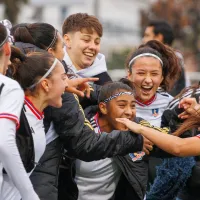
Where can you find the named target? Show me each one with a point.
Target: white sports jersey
(11, 99)
(154, 108)
(97, 179)
(35, 120)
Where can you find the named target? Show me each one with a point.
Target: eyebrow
(118, 101)
(87, 35)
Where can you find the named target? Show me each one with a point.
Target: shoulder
(163, 95)
(9, 84)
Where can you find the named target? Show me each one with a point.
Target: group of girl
(62, 137)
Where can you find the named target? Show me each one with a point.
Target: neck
(103, 124)
(38, 102)
(71, 58)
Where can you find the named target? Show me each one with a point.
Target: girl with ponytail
(11, 101)
(43, 79)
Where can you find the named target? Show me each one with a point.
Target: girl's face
(57, 83)
(146, 76)
(120, 107)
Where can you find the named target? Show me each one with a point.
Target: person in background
(82, 36)
(163, 32)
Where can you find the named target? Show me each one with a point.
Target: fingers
(88, 92)
(183, 115)
(146, 151)
(190, 101)
(122, 120)
(75, 91)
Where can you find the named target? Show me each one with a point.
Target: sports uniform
(153, 109)
(11, 101)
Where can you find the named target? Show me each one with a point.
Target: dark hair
(29, 69)
(42, 35)
(12, 30)
(190, 123)
(171, 69)
(162, 27)
(79, 21)
(109, 89)
(3, 36)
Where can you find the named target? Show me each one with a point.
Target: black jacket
(77, 137)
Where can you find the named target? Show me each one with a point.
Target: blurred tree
(184, 16)
(12, 8)
(117, 59)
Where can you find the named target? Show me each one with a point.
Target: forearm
(10, 158)
(169, 143)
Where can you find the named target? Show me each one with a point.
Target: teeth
(146, 87)
(89, 54)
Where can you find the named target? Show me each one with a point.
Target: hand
(190, 106)
(136, 128)
(147, 145)
(80, 85)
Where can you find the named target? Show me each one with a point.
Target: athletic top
(11, 101)
(97, 179)
(153, 109)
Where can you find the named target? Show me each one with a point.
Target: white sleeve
(10, 158)
(10, 109)
(11, 101)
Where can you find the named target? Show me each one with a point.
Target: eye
(97, 43)
(133, 107)
(154, 74)
(141, 73)
(86, 40)
(121, 105)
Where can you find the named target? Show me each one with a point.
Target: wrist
(141, 128)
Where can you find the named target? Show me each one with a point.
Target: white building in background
(120, 18)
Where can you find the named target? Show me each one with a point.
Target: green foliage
(117, 59)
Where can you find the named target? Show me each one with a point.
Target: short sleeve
(11, 102)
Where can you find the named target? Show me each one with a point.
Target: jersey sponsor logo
(155, 112)
(137, 155)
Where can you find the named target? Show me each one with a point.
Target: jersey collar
(35, 111)
(146, 103)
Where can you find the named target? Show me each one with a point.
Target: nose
(92, 45)
(128, 112)
(148, 79)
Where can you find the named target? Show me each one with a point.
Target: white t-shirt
(153, 109)
(97, 180)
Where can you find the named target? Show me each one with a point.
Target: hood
(98, 67)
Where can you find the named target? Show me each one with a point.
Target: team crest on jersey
(155, 112)
(137, 155)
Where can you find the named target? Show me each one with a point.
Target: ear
(103, 108)
(51, 51)
(45, 85)
(67, 39)
(7, 49)
(129, 74)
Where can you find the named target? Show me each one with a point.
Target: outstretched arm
(169, 143)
